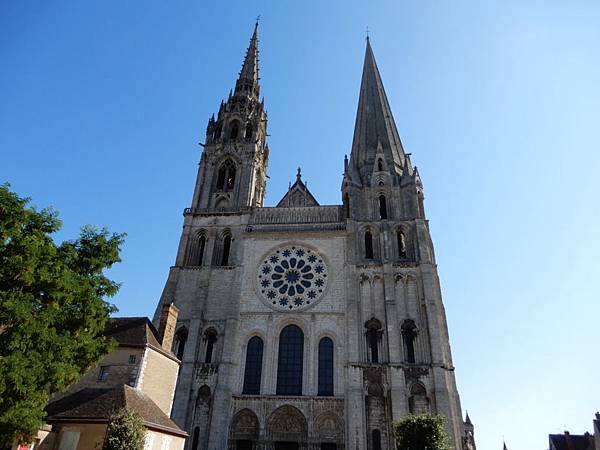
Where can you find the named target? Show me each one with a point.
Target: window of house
(132, 359)
(103, 375)
(325, 374)
(69, 440)
(253, 368)
(290, 361)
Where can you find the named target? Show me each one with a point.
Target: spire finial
(257, 20)
(367, 32)
(299, 173)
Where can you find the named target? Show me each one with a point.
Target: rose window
(292, 278)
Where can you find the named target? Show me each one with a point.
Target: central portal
(287, 446)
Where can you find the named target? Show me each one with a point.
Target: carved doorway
(243, 434)
(287, 429)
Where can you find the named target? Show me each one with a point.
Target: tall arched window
(379, 165)
(372, 342)
(409, 334)
(346, 205)
(401, 237)
(226, 176)
(179, 343)
(225, 250)
(249, 131)
(234, 131)
(325, 367)
(253, 369)
(382, 207)
(376, 439)
(200, 251)
(211, 338)
(290, 361)
(368, 245)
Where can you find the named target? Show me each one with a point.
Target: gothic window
(234, 131)
(253, 369)
(196, 254)
(368, 245)
(218, 132)
(226, 248)
(346, 205)
(418, 402)
(210, 337)
(226, 176)
(372, 338)
(409, 334)
(179, 343)
(401, 237)
(376, 439)
(379, 165)
(195, 438)
(249, 131)
(325, 367)
(290, 361)
(382, 207)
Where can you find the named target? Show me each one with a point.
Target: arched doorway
(287, 429)
(244, 431)
(329, 431)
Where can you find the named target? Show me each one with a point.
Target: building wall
(158, 378)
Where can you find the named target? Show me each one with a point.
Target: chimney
(166, 326)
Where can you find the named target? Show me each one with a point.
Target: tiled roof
(99, 404)
(572, 442)
(132, 331)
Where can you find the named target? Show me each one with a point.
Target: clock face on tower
(291, 278)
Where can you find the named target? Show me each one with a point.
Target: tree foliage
(125, 431)
(421, 432)
(52, 310)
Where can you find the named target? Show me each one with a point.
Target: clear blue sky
(102, 105)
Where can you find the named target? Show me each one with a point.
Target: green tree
(421, 432)
(125, 431)
(52, 310)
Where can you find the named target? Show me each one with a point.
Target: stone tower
(307, 326)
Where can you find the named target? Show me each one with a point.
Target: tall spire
(248, 79)
(375, 126)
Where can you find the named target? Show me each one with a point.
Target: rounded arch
(418, 401)
(287, 423)
(329, 427)
(209, 337)
(290, 361)
(181, 336)
(197, 248)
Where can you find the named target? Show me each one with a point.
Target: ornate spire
(375, 124)
(248, 79)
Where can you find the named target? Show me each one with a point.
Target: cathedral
(307, 326)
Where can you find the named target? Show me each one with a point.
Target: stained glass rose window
(292, 278)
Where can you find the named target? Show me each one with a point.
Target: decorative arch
(197, 248)
(222, 252)
(373, 334)
(244, 429)
(179, 342)
(329, 428)
(409, 336)
(210, 339)
(234, 130)
(287, 423)
(418, 401)
(226, 175)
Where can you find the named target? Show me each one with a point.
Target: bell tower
(232, 171)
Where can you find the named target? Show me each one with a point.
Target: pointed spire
(468, 419)
(249, 74)
(374, 121)
(504, 446)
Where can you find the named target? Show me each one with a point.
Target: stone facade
(278, 304)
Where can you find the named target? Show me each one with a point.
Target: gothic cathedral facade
(304, 326)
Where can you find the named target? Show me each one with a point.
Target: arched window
(368, 245)
(325, 367)
(179, 343)
(225, 251)
(376, 439)
(409, 334)
(418, 402)
(226, 176)
(382, 207)
(253, 369)
(249, 131)
(200, 254)
(211, 337)
(290, 361)
(379, 165)
(195, 438)
(372, 342)
(401, 237)
(234, 131)
(218, 132)
(346, 205)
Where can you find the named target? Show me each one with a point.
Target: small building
(140, 374)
